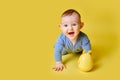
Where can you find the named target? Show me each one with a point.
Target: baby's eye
(74, 24)
(65, 25)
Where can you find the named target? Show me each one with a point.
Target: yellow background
(29, 28)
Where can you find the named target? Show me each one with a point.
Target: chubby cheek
(64, 30)
(77, 29)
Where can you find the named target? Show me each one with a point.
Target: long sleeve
(86, 43)
(58, 48)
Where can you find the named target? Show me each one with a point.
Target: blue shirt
(63, 45)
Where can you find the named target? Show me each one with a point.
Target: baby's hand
(59, 66)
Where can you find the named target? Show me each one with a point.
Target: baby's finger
(54, 68)
(58, 69)
(61, 68)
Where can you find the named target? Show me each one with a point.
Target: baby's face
(70, 26)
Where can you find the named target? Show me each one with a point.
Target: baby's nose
(70, 27)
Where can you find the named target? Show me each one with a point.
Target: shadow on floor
(104, 47)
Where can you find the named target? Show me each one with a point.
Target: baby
(71, 40)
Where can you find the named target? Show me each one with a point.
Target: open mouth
(71, 33)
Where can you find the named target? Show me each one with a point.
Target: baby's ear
(59, 25)
(81, 24)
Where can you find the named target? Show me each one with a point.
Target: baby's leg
(64, 52)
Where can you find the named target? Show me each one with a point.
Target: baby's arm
(58, 58)
(57, 54)
(86, 44)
